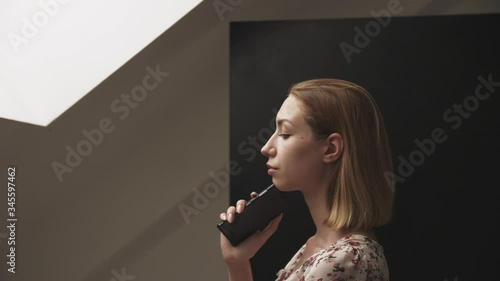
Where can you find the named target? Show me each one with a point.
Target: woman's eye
(285, 136)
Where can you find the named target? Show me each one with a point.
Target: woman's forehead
(290, 111)
(289, 107)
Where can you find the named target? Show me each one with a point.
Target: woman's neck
(316, 202)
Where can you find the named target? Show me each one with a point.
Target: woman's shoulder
(353, 257)
(356, 244)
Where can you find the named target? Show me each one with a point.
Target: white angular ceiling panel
(53, 52)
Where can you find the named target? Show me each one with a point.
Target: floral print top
(354, 257)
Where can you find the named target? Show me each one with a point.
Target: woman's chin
(281, 186)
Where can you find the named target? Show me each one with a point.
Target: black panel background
(416, 68)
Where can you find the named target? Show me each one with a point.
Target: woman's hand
(246, 249)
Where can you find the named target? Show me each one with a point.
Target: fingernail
(238, 208)
(280, 217)
(230, 217)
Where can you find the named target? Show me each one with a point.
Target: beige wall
(119, 207)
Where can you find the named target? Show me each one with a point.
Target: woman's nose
(267, 149)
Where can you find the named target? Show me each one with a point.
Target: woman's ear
(334, 147)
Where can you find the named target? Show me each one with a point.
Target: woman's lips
(271, 170)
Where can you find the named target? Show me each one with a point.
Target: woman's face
(295, 158)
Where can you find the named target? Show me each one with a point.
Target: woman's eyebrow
(281, 121)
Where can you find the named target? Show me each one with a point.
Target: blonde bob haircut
(359, 196)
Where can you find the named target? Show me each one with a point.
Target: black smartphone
(258, 212)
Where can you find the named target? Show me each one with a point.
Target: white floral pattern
(354, 257)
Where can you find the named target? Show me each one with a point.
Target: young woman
(331, 144)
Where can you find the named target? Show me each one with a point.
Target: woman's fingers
(232, 210)
(240, 205)
(230, 213)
